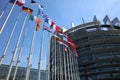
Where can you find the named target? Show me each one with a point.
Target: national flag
(38, 21)
(47, 28)
(63, 35)
(37, 27)
(61, 42)
(45, 16)
(18, 2)
(75, 52)
(72, 45)
(40, 12)
(51, 23)
(26, 9)
(30, 11)
(57, 37)
(33, 2)
(31, 17)
(69, 40)
(57, 29)
(40, 6)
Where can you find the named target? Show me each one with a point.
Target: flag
(31, 17)
(33, 2)
(57, 37)
(38, 21)
(63, 35)
(69, 40)
(30, 11)
(40, 6)
(75, 52)
(37, 4)
(26, 9)
(57, 29)
(40, 12)
(61, 42)
(46, 28)
(72, 45)
(37, 27)
(19, 2)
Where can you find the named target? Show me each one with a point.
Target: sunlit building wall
(98, 47)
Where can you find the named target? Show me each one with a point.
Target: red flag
(70, 40)
(19, 2)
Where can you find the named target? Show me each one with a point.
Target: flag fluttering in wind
(61, 42)
(38, 21)
(37, 27)
(63, 39)
(47, 28)
(19, 2)
(36, 4)
(26, 9)
(31, 17)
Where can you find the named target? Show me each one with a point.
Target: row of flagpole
(7, 17)
(56, 28)
(17, 44)
(4, 9)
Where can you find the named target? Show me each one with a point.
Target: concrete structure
(98, 47)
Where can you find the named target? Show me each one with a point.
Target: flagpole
(16, 48)
(40, 56)
(4, 9)
(7, 17)
(8, 42)
(20, 52)
(48, 54)
(30, 56)
(55, 58)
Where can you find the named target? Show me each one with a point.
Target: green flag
(31, 17)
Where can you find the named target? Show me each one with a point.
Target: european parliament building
(21, 73)
(98, 47)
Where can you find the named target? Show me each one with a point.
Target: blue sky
(62, 12)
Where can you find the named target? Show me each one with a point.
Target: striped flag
(19, 2)
(47, 28)
(26, 9)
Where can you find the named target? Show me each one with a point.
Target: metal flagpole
(65, 65)
(48, 57)
(40, 56)
(7, 17)
(4, 9)
(16, 48)
(8, 42)
(68, 66)
(20, 52)
(55, 58)
(30, 56)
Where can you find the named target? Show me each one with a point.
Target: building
(20, 73)
(98, 47)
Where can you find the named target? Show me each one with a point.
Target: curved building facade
(98, 47)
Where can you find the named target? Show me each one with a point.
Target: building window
(91, 29)
(104, 28)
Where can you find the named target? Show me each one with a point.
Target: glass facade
(98, 47)
(20, 73)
